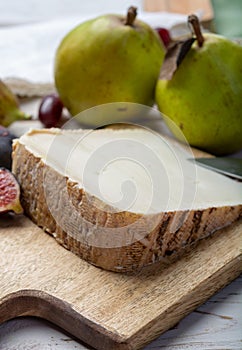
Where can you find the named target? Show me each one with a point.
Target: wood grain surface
(214, 325)
(105, 309)
(184, 6)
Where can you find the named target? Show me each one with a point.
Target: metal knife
(228, 166)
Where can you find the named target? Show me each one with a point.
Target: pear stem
(131, 15)
(194, 21)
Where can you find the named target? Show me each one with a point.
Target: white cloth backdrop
(31, 30)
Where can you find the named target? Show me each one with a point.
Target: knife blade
(228, 166)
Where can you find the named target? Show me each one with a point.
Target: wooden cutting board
(104, 309)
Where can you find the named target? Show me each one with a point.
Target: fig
(9, 193)
(6, 148)
(9, 107)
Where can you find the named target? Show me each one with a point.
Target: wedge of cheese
(121, 199)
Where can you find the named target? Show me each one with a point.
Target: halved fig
(9, 193)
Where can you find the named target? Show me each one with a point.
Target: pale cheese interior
(134, 170)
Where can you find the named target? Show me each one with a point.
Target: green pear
(111, 58)
(204, 96)
(9, 107)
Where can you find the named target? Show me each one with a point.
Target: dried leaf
(174, 56)
(185, 48)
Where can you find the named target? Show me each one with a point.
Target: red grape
(50, 110)
(164, 35)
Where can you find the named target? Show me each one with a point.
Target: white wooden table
(215, 325)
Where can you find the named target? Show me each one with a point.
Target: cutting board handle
(30, 302)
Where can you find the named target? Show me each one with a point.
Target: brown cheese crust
(117, 241)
